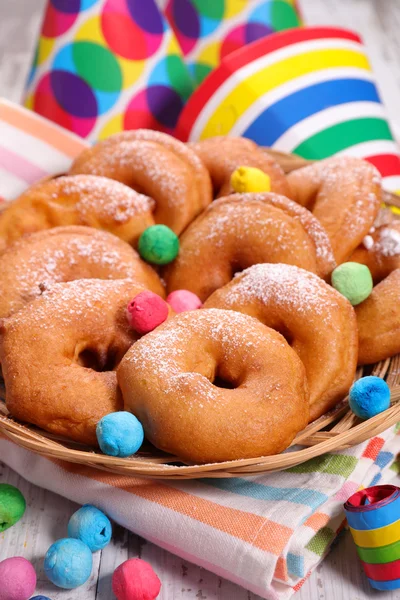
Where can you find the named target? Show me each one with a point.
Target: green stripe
(334, 464)
(343, 135)
(378, 556)
(321, 540)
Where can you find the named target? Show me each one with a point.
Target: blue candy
(91, 526)
(369, 396)
(119, 434)
(40, 598)
(68, 563)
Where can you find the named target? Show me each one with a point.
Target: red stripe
(244, 56)
(387, 164)
(383, 572)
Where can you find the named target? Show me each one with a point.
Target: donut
(344, 194)
(380, 250)
(318, 322)
(222, 155)
(82, 200)
(213, 385)
(63, 254)
(236, 232)
(378, 319)
(59, 355)
(157, 165)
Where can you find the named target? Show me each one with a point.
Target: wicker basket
(336, 430)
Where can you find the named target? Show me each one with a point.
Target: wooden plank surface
(340, 576)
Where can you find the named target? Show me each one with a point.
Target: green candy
(12, 506)
(159, 245)
(353, 281)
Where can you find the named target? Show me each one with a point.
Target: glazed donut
(380, 251)
(378, 319)
(214, 385)
(319, 323)
(63, 254)
(222, 155)
(344, 194)
(58, 356)
(241, 230)
(82, 200)
(157, 165)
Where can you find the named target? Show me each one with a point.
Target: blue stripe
(384, 459)
(375, 516)
(393, 584)
(242, 487)
(281, 116)
(295, 564)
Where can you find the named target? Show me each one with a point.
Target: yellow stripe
(374, 538)
(272, 76)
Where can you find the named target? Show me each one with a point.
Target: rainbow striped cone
(307, 91)
(373, 515)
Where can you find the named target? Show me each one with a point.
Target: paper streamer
(31, 148)
(373, 515)
(209, 30)
(308, 91)
(102, 66)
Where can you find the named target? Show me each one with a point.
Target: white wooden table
(340, 576)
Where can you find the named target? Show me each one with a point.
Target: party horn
(373, 515)
(307, 91)
(209, 30)
(102, 66)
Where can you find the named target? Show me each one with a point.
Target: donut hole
(97, 360)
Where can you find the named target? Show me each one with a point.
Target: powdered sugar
(389, 242)
(368, 242)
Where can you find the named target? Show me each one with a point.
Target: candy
(135, 580)
(183, 300)
(12, 506)
(119, 434)
(146, 312)
(17, 579)
(353, 281)
(40, 598)
(250, 179)
(369, 396)
(91, 526)
(68, 563)
(158, 244)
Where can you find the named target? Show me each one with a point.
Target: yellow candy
(250, 179)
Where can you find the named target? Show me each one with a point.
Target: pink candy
(183, 300)
(146, 311)
(17, 579)
(135, 580)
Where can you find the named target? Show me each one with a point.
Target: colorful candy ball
(369, 396)
(159, 245)
(12, 506)
(146, 312)
(91, 526)
(119, 434)
(135, 580)
(183, 300)
(354, 281)
(40, 598)
(68, 563)
(17, 579)
(250, 179)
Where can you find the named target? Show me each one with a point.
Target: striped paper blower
(309, 91)
(102, 66)
(373, 515)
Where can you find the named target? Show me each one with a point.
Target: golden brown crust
(319, 323)
(64, 254)
(167, 381)
(222, 155)
(236, 232)
(344, 194)
(82, 200)
(378, 319)
(380, 251)
(157, 165)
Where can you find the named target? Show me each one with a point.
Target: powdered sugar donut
(236, 232)
(159, 166)
(380, 250)
(319, 323)
(213, 385)
(63, 254)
